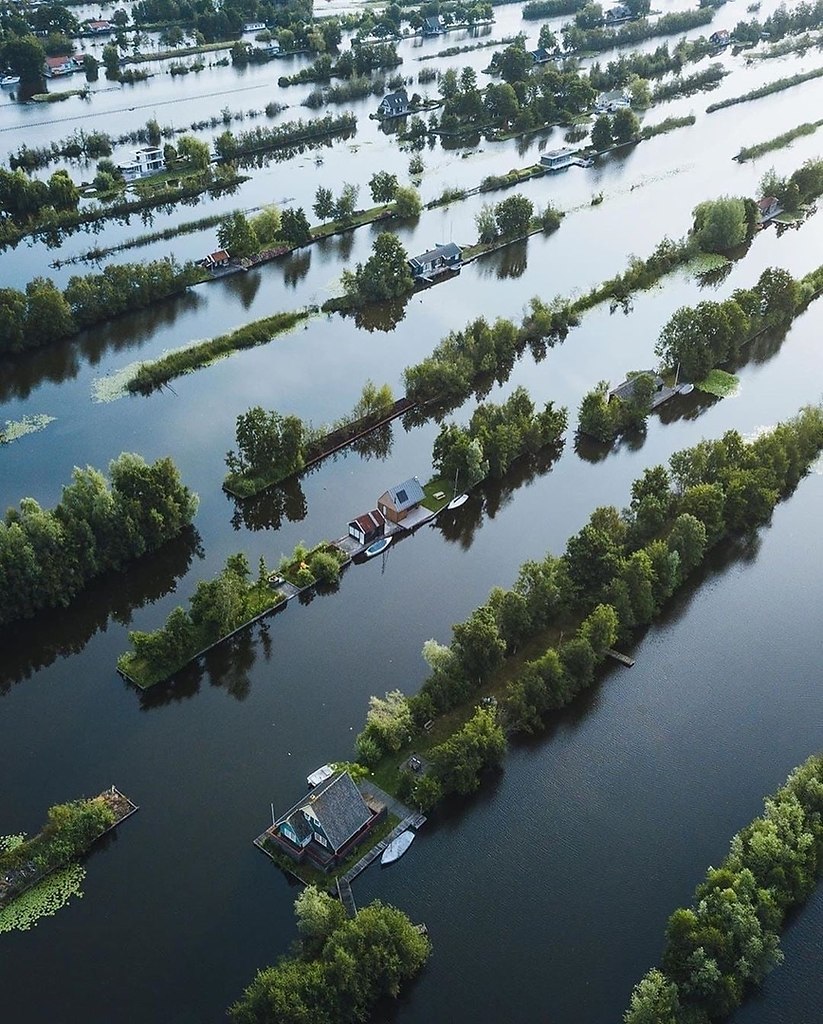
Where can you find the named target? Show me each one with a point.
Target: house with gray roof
(436, 261)
(394, 104)
(397, 502)
(327, 824)
(434, 25)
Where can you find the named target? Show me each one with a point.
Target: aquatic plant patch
(15, 429)
(720, 384)
(43, 899)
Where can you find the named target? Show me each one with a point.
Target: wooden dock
(624, 659)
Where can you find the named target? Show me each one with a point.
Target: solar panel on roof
(402, 496)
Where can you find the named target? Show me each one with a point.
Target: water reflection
(491, 496)
(509, 262)
(33, 644)
(244, 286)
(267, 511)
(296, 266)
(63, 360)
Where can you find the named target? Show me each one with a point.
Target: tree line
(271, 446)
(218, 607)
(47, 556)
(69, 831)
(495, 437)
(228, 146)
(614, 576)
(341, 969)
(42, 314)
(719, 949)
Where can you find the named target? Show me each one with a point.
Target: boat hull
(397, 847)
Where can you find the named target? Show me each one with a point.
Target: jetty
(623, 659)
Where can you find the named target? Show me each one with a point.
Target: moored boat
(377, 547)
(7, 80)
(316, 777)
(397, 847)
(459, 500)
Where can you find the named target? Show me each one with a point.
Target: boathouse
(395, 104)
(367, 527)
(326, 825)
(397, 502)
(625, 390)
(436, 261)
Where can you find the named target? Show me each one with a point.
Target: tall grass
(778, 142)
(765, 90)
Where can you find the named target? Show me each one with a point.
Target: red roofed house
(56, 66)
(367, 527)
(769, 207)
(216, 259)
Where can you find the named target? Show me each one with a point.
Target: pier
(624, 659)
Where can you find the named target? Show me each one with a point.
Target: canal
(546, 895)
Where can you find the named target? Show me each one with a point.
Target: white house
(147, 161)
(557, 159)
(611, 102)
(254, 26)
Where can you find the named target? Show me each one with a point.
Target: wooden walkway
(624, 659)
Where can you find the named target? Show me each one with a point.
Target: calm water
(546, 896)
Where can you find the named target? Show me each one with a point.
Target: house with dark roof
(721, 38)
(367, 527)
(614, 15)
(437, 261)
(394, 104)
(397, 502)
(434, 25)
(540, 55)
(768, 207)
(218, 258)
(327, 824)
(625, 391)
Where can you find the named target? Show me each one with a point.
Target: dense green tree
(267, 225)
(625, 125)
(295, 227)
(514, 63)
(323, 205)
(236, 235)
(601, 137)
(688, 539)
(383, 186)
(407, 202)
(600, 628)
(194, 152)
(654, 1000)
(48, 315)
(478, 645)
(385, 275)
(513, 216)
(24, 55)
(720, 224)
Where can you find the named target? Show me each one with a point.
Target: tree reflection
(295, 267)
(267, 511)
(35, 643)
(487, 500)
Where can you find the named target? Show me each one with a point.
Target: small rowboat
(461, 499)
(397, 847)
(377, 547)
(8, 80)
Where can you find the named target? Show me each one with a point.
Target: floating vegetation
(10, 843)
(720, 383)
(706, 263)
(15, 429)
(114, 385)
(43, 899)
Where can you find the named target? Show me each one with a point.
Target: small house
(557, 159)
(768, 207)
(625, 391)
(394, 104)
(540, 55)
(436, 261)
(219, 258)
(254, 26)
(147, 161)
(397, 502)
(54, 67)
(326, 825)
(434, 25)
(367, 527)
(614, 15)
(98, 28)
(721, 38)
(611, 102)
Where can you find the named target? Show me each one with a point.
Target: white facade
(146, 162)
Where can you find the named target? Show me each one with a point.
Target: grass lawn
(437, 485)
(358, 220)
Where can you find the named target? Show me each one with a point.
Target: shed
(396, 503)
(367, 527)
(437, 261)
(219, 258)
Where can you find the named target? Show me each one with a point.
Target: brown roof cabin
(219, 258)
(397, 502)
(367, 527)
(327, 824)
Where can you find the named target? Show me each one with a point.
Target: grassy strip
(183, 51)
(719, 383)
(453, 51)
(58, 97)
(669, 125)
(93, 255)
(766, 90)
(778, 142)
(152, 375)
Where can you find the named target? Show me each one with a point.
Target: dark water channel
(546, 895)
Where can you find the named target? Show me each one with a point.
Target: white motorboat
(9, 80)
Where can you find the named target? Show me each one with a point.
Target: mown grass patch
(720, 384)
